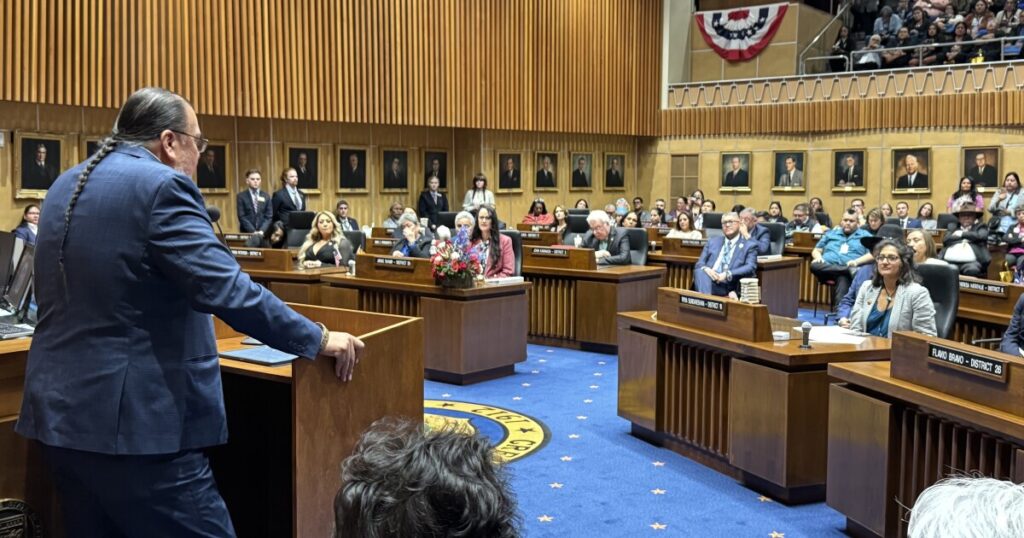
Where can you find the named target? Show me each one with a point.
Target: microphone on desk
(214, 213)
(806, 329)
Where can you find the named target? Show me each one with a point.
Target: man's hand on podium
(346, 350)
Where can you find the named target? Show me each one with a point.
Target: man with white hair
(610, 244)
(725, 260)
(964, 507)
(759, 235)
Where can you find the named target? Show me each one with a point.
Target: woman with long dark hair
(495, 249)
(966, 192)
(893, 300)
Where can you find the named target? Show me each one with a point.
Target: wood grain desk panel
(984, 315)
(754, 410)
(300, 286)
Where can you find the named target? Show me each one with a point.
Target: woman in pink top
(495, 249)
(539, 214)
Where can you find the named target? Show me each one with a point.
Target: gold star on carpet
(574, 436)
(776, 535)
(764, 499)
(588, 400)
(566, 458)
(542, 361)
(526, 384)
(658, 491)
(556, 485)
(517, 398)
(545, 519)
(602, 363)
(598, 374)
(534, 371)
(581, 417)
(446, 395)
(658, 463)
(658, 526)
(595, 386)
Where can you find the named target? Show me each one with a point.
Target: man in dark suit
(759, 238)
(736, 176)
(1013, 338)
(904, 218)
(354, 176)
(982, 174)
(725, 260)
(974, 232)
(395, 178)
(510, 176)
(255, 213)
(432, 202)
(850, 173)
(613, 175)
(210, 173)
(347, 223)
(545, 176)
(610, 244)
(305, 172)
(913, 179)
(122, 384)
(289, 198)
(40, 173)
(579, 175)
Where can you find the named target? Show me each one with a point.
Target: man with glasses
(725, 260)
(838, 247)
(802, 221)
(610, 244)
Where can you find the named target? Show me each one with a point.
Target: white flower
(433, 251)
(455, 256)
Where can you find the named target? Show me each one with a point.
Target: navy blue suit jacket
(762, 239)
(25, 234)
(1013, 338)
(124, 359)
(742, 264)
(250, 221)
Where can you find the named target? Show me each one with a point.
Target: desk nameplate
(393, 264)
(559, 257)
(683, 247)
(714, 314)
(551, 252)
(984, 287)
(247, 254)
(703, 305)
(267, 259)
(971, 363)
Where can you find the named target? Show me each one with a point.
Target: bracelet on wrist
(324, 337)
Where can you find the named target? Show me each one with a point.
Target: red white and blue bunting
(740, 34)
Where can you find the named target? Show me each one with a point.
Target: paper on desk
(834, 334)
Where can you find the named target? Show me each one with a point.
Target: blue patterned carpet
(592, 478)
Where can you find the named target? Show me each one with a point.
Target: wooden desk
(811, 292)
(577, 307)
(540, 239)
(236, 240)
(381, 245)
(986, 307)
(475, 334)
(779, 279)
(276, 269)
(890, 437)
(716, 389)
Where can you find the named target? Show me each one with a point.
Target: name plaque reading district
(706, 306)
(385, 242)
(984, 288)
(248, 254)
(986, 367)
(236, 237)
(393, 263)
(530, 235)
(693, 242)
(551, 252)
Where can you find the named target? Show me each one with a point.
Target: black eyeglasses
(201, 143)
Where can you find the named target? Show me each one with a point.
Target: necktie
(849, 174)
(345, 225)
(255, 202)
(435, 198)
(791, 178)
(296, 200)
(726, 255)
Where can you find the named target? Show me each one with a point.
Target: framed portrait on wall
(789, 171)
(547, 171)
(39, 159)
(510, 171)
(352, 163)
(982, 166)
(582, 172)
(848, 166)
(910, 171)
(735, 168)
(435, 163)
(88, 146)
(305, 160)
(394, 170)
(614, 171)
(212, 170)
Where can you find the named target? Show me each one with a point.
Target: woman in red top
(495, 250)
(539, 214)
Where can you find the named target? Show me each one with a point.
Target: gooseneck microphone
(214, 213)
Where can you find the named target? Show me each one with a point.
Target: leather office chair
(637, 245)
(712, 225)
(576, 226)
(945, 219)
(893, 220)
(357, 238)
(447, 218)
(777, 233)
(823, 219)
(576, 211)
(517, 249)
(298, 227)
(943, 285)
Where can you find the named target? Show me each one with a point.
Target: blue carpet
(593, 478)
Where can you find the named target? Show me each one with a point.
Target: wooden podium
(540, 239)
(703, 377)
(939, 408)
(290, 427)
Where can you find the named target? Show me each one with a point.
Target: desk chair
(357, 238)
(575, 211)
(893, 220)
(944, 220)
(713, 225)
(298, 227)
(823, 219)
(447, 218)
(777, 233)
(638, 245)
(517, 249)
(943, 285)
(576, 227)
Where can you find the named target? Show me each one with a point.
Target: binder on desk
(264, 355)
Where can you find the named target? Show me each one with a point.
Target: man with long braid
(123, 384)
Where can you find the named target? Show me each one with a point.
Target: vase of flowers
(455, 263)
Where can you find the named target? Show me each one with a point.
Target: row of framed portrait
(910, 168)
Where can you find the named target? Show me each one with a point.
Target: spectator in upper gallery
(978, 18)
(933, 8)
(970, 506)
(757, 236)
(960, 52)
(966, 242)
(683, 228)
(538, 214)
(802, 221)
(929, 53)
(887, 24)
(1014, 239)
(990, 48)
(610, 244)
(836, 249)
(1008, 18)
(479, 195)
(893, 300)
(864, 13)
(496, 255)
(843, 46)
(903, 215)
(868, 58)
(394, 213)
(967, 192)
(1005, 201)
(903, 11)
(725, 260)
(926, 214)
(895, 56)
(432, 203)
(775, 213)
(917, 25)
(29, 225)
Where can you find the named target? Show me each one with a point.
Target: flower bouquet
(455, 263)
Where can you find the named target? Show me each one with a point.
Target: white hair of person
(465, 215)
(748, 212)
(967, 507)
(598, 216)
(443, 233)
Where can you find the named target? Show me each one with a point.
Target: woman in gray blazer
(893, 300)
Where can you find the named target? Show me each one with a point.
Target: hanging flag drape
(740, 34)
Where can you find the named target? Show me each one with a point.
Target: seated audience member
(842, 46)
(961, 51)
(561, 222)
(346, 222)
(1007, 17)
(610, 209)
(696, 199)
(413, 243)
(736, 208)
(253, 206)
(967, 192)
(757, 235)
(582, 203)
(464, 220)
(1014, 239)
(968, 507)
(610, 244)
(775, 213)
(929, 52)
(903, 214)
(656, 220)
(432, 202)
(978, 18)
(394, 213)
(708, 206)
(926, 214)
(479, 195)
(643, 216)
(621, 207)
(1013, 338)
(538, 214)
(802, 221)
(815, 205)
(990, 48)
(887, 24)
(869, 59)
(274, 239)
(683, 228)
(697, 212)
(923, 248)
(893, 300)
(865, 272)
(886, 209)
(659, 207)
(895, 56)
(858, 205)
(682, 206)
(966, 242)
(325, 244)
(630, 220)
(1005, 201)
(725, 260)
(874, 221)
(832, 254)
(496, 255)
(29, 225)
(918, 24)
(403, 479)
(762, 217)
